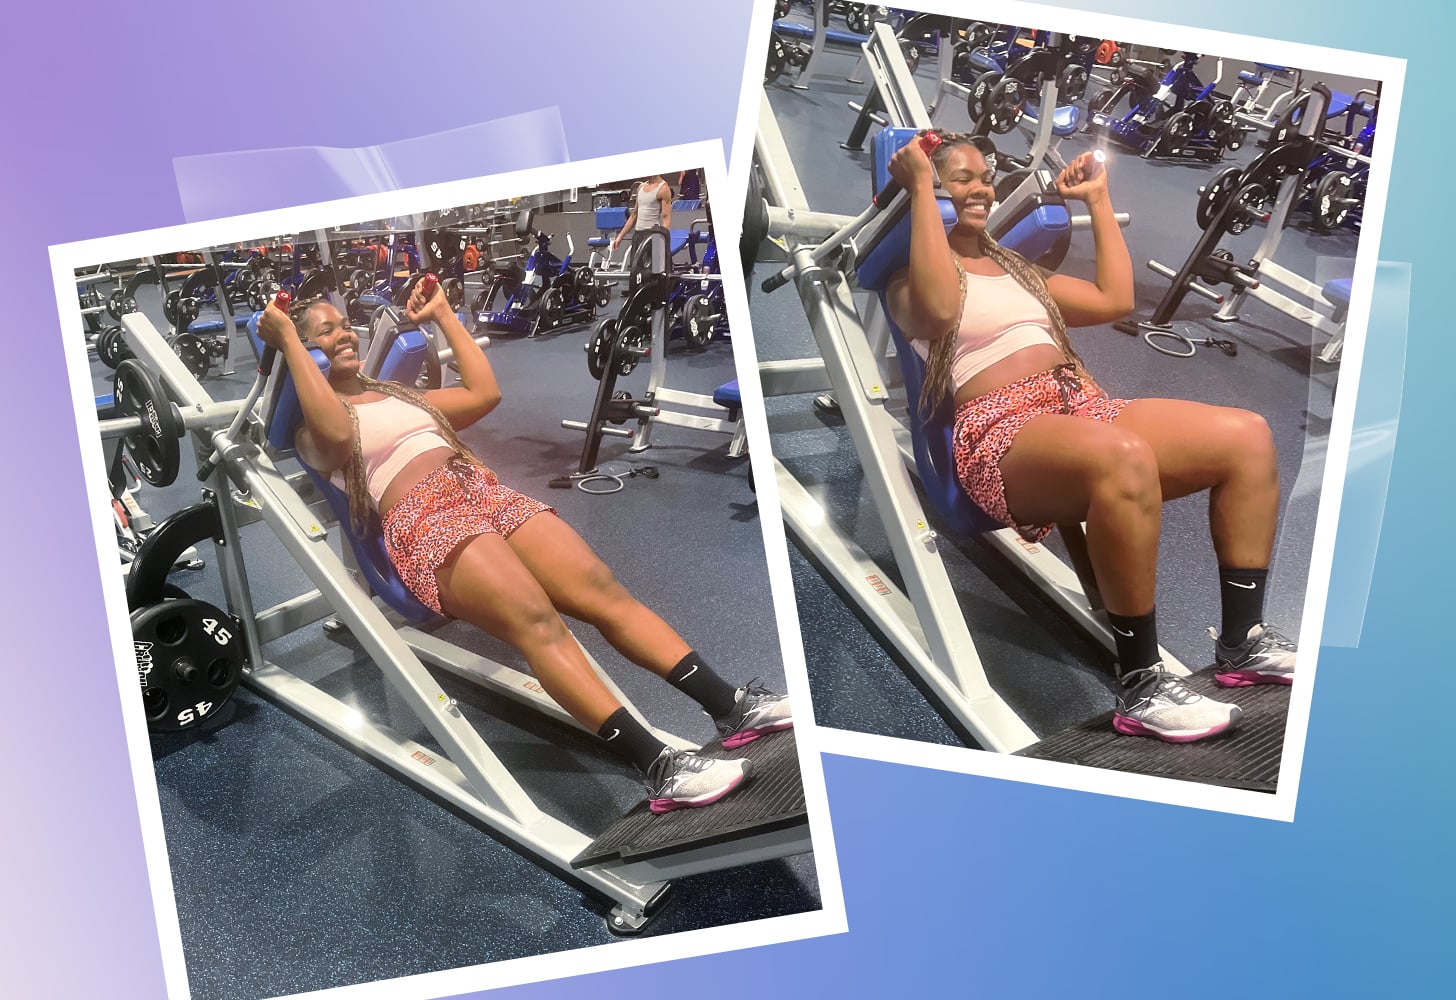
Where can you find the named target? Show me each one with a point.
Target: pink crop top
(1000, 318)
(391, 434)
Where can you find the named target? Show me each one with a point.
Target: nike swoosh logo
(615, 734)
(689, 673)
(1121, 632)
(1244, 586)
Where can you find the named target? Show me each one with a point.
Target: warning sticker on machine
(877, 585)
(423, 757)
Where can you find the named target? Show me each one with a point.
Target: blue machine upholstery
(1246, 77)
(206, 326)
(728, 397)
(1064, 118)
(792, 29)
(402, 364)
(612, 218)
(1337, 291)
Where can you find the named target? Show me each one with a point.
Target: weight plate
(1211, 199)
(1251, 197)
(189, 661)
(1332, 201)
(599, 347)
(632, 340)
(154, 448)
(169, 306)
(977, 100)
(193, 354)
(699, 318)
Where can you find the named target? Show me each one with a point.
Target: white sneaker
(1156, 703)
(1264, 657)
(681, 779)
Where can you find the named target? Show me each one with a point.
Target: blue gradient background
(954, 885)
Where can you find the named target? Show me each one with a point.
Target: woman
(1038, 443)
(473, 549)
(651, 209)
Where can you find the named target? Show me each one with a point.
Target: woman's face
(330, 330)
(970, 182)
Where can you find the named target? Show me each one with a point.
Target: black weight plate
(136, 392)
(189, 348)
(189, 661)
(598, 348)
(1331, 201)
(1252, 197)
(637, 338)
(1214, 194)
(698, 320)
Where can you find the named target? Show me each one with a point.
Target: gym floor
(298, 865)
(1049, 671)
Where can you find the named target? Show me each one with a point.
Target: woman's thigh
(1055, 462)
(565, 566)
(1197, 445)
(485, 583)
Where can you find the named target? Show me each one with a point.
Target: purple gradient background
(953, 884)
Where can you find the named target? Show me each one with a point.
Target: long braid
(355, 484)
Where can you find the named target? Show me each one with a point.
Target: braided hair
(937, 386)
(355, 484)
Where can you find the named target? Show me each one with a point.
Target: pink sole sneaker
(749, 735)
(1248, 678)
(1131, 727)
(660, 806)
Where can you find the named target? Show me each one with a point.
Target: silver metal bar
(1193, 286)
(193, 418)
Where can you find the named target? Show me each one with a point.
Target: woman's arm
(326, 439)
(478, 392)
(1110, 296)
(924, 299)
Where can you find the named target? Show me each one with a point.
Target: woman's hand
(911, 166)
(432, 310)
(275, 328)
(1084, 179)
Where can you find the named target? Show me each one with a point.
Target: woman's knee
(1124, 469)
(601, 595)
(1249, 451)
(533, 622)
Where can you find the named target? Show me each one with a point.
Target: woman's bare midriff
(409, 477)
(1026, 362)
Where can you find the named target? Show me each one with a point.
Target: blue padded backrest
(402, 364)
(611, 218)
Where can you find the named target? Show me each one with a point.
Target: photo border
(66, 258)
(1389, 71)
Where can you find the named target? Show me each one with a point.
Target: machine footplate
(1246, 756)
(771, 799)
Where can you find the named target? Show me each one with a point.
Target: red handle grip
(929, 143)
(283, 300)
(428, 284)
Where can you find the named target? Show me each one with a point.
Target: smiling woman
(1038, 443)
(471, 548)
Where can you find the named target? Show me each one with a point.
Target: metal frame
(469, 776)
(923, 622)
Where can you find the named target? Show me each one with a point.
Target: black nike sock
(696, 679)
(1137, 641)
(630, 740)
(1242, 591)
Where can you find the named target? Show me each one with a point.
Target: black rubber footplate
(771, 799)
(1246, 756)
